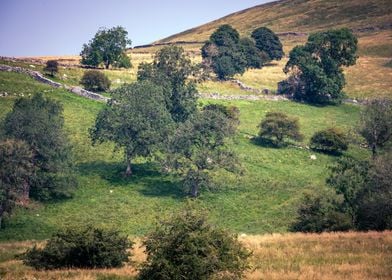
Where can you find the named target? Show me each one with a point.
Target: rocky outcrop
(249, 97)
(40, 78)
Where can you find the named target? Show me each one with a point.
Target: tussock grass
(346, 256)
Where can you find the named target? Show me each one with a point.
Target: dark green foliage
(348, 178)
(276, 126)
(108, 47)
(198, 146)
(317, 66)
(123, 61)
(135, 119)
(374, 210)
(376, 123)
(188, 247)
(39, 122)
(254, 57)
(330, 141)
(367, 191)
(95, 80)
(268, 42)
(170, 70)
(321, 212)
(16, 161)
(88, 247)
(51, 67)
(224, 53)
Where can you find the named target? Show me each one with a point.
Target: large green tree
(197, 147)
(108, 47)
(316, 67)
(268, 42)
(39, 122)
(224, 53)
(16, 161)
(135, 119)
(171, 70)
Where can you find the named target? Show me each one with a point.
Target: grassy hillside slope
(327, 256)
(262, 200)
(299, 16)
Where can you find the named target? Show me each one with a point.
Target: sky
(61, 27)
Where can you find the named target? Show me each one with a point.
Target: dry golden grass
(346, 256)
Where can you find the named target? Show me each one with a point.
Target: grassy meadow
(327, 256)
(261, 200)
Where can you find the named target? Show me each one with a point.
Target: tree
(224, 52)
(39, 122)
(95, 81)
(198, 146)
(376, 123)
(276, 126)
(16, 161)
(374, 210)
(135, 119)
(268, 42)
(108, 47)
(86, 247)
(186, 246)
(51, 67)
(317, 66)
(254, 57)
(330, 141)
(367, 191)
(320, 212)
(170, 70)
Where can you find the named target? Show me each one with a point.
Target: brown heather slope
(299, 16)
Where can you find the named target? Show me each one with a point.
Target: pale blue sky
(55, 27)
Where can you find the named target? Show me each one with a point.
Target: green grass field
(263, 199)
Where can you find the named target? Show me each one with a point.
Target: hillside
(300, 16)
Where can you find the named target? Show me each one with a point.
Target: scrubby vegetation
(86, 247)
(95, 81)
(331, 140)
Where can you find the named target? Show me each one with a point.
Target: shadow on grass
(147, 178)
(268, 143)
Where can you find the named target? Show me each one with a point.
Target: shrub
(330, 141)
(95, 81)
(321, 212)
(187, 247)
(51, 67)
(84, 248)
(277, 126)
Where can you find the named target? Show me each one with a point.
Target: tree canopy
(268, 42)
(108, 47)
(197, 147)
(39, 122)
(186, 246)
(316, 67)
(170, 70)
(135, 119)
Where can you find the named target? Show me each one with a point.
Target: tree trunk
(195, 190)
(374, 151)
(107, 63)
(25, 194)
(128, 171)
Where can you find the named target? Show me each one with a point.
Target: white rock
(111, 191)
(32, 66)
(313, 157)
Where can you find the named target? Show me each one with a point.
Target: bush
(277, 126)
(83, 248)
(329, 141)
(94, 80)
(187, 247)
(321, 212)
(51, 67)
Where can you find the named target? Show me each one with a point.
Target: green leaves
(108, 47)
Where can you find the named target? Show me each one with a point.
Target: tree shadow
(147, 176)
(268, 143)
